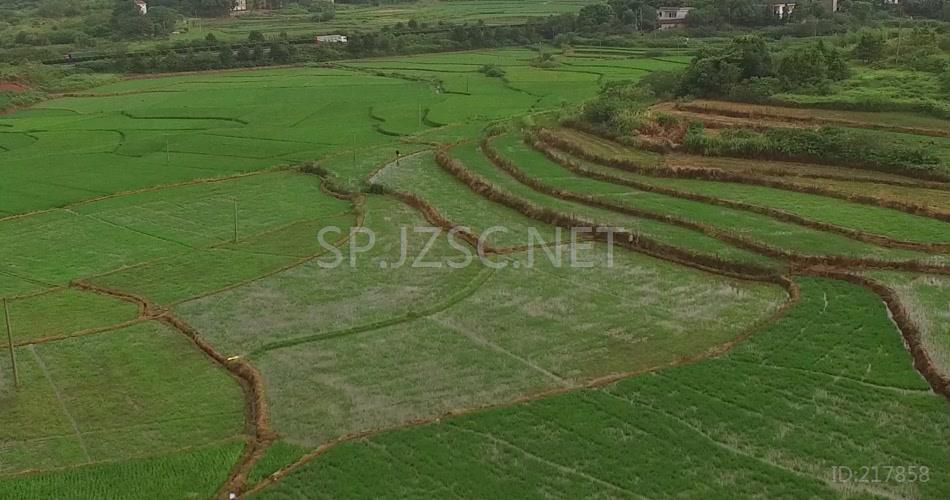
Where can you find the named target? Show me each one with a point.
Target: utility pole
(6, 318)
(900, 31)
(235, 221)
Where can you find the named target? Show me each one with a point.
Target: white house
(672, 17)
(783, 10)
(141, 6)
(331, 39)
(239, 6)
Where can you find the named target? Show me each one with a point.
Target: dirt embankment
(719, 175)
(13, 87)
(555, 155)
(911, 334)
(734, 114)
(257, 420)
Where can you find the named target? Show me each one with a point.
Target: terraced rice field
(228, 282)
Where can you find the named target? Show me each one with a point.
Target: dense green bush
(619, 108)
(945, 81)
(492, 71)
(830, 145)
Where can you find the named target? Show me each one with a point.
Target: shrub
(662, 84)
(944, 80)
(831, 145)
(492, 71)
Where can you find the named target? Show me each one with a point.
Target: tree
(870, 47)
(640, 14)
(812, 65)
(163, 20)
(226, 55)
(595, 15)
(861, 11)
(752, 56)
(208, 8)
(944, 80)
(716, 72)
(710, 77)
(128, 22)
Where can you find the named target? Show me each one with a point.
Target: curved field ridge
(546, 145)
(754, 112)
(731, 426)
(724, 235)
(633, 241)
(719, 175)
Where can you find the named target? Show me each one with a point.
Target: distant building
(783, 10)
(141, 5)
(239, 6)
(672, 17)
(892, 2)
(330, 39)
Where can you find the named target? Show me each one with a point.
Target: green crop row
(775, 417)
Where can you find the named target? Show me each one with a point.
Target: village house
(330, 39)
(239, 6)
(783, 10)
(141, 5)
(672, 17)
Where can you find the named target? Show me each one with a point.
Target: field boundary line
(80, 333)
(128, 228)
(683, 160)
(708, 107)
(910, 333)
(161, 187)
(256, 413)
(434, 217)
(458, 296)
(297, 262)
(52, 470)
(719, 175)
(550, 463)
(724, 235)
(631, 241)
(551, 150)
(737, 451)
(482, 341)
(794, 296)
(836, 377)
(62, 404)
(372, 177)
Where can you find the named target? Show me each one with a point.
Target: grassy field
(927, 299)
(173, 307)
(879, 220)
(355, 18)
(758, 227)
(356, 349)
(732, 426)
(477, 163)
(112, 397)
(192, 473)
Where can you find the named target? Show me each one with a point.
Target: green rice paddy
(159, 236)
